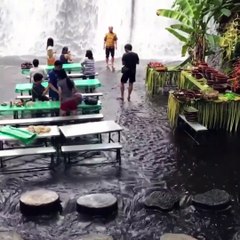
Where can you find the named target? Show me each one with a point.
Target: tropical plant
(229, 40)
(192, 29)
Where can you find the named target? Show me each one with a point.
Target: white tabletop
(54, 132)
(89, 128)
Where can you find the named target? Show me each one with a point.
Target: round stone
(236, 236)
(171, 236)
(99, 203)
(96, 237)
(164, 200)
(10, 236)
(39, 201)
(213, 199)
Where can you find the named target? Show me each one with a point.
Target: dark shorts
(129, 75)
(110, 50)
(70, 105)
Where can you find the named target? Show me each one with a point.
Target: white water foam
(25, 26)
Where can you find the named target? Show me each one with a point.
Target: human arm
(60, 93)
(45, 91)
(137, 59)
(104, 42)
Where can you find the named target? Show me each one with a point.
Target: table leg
(119, 136)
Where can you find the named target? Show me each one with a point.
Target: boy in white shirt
(36, 69)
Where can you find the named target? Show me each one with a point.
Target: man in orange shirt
(110, 44)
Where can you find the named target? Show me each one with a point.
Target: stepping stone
(99, 203)
(213, 199)
(39, 201)
(170, 236)
(10, 236)
(96, 237)
(164, 200)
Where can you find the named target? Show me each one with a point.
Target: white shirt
(37, 70)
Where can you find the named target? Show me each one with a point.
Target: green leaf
(183, 28)
(184, 50)
(226, 12)
(173, 15)
(177, 35)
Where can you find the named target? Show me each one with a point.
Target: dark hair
(63, 75)
(64, 50)
(89, 54)
(37, 77)
(50, 42)
(128, 47)
(57, 63)
(35, 62)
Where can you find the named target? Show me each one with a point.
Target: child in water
(69, 98)
(38, 90)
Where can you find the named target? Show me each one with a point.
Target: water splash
(82, 24)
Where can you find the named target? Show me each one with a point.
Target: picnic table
(77, 130)
(79, 83)
(44, 106)
(68, 67)
(53, 133)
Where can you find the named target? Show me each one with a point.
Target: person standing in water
(51, 58)
(129, 60)
(68, 95)
(110, 44)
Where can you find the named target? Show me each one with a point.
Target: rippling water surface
(152, 158)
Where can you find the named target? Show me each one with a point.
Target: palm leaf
(177, 35)
(173, 15)
(183, 28)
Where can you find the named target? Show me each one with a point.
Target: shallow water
(152, 158)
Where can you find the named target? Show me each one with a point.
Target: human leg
(63, 113)
(112, 55)
(124, 79)
(132, 79)
(130, 88)
(107, 55)
(122, 88)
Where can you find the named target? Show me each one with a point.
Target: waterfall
(82, 24)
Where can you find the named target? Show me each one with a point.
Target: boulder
(163, 199)
(171, 236)
(99, 203)
(214, 199)
(39, 201)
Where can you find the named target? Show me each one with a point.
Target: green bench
(79, 83)
(68, 67)
(47, 106)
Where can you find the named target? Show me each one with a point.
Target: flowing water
(82, 24)
(152, 158)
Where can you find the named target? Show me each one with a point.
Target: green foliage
(194, 17)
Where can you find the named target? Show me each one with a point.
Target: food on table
(30, 103)
(191, 114)
(39, 129)
(157, 66)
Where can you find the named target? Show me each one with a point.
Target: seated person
(50, 56)
(65, 56)
(38, 90)
(69, 98)
(53, 79)
(88, 65)
(37, 69)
